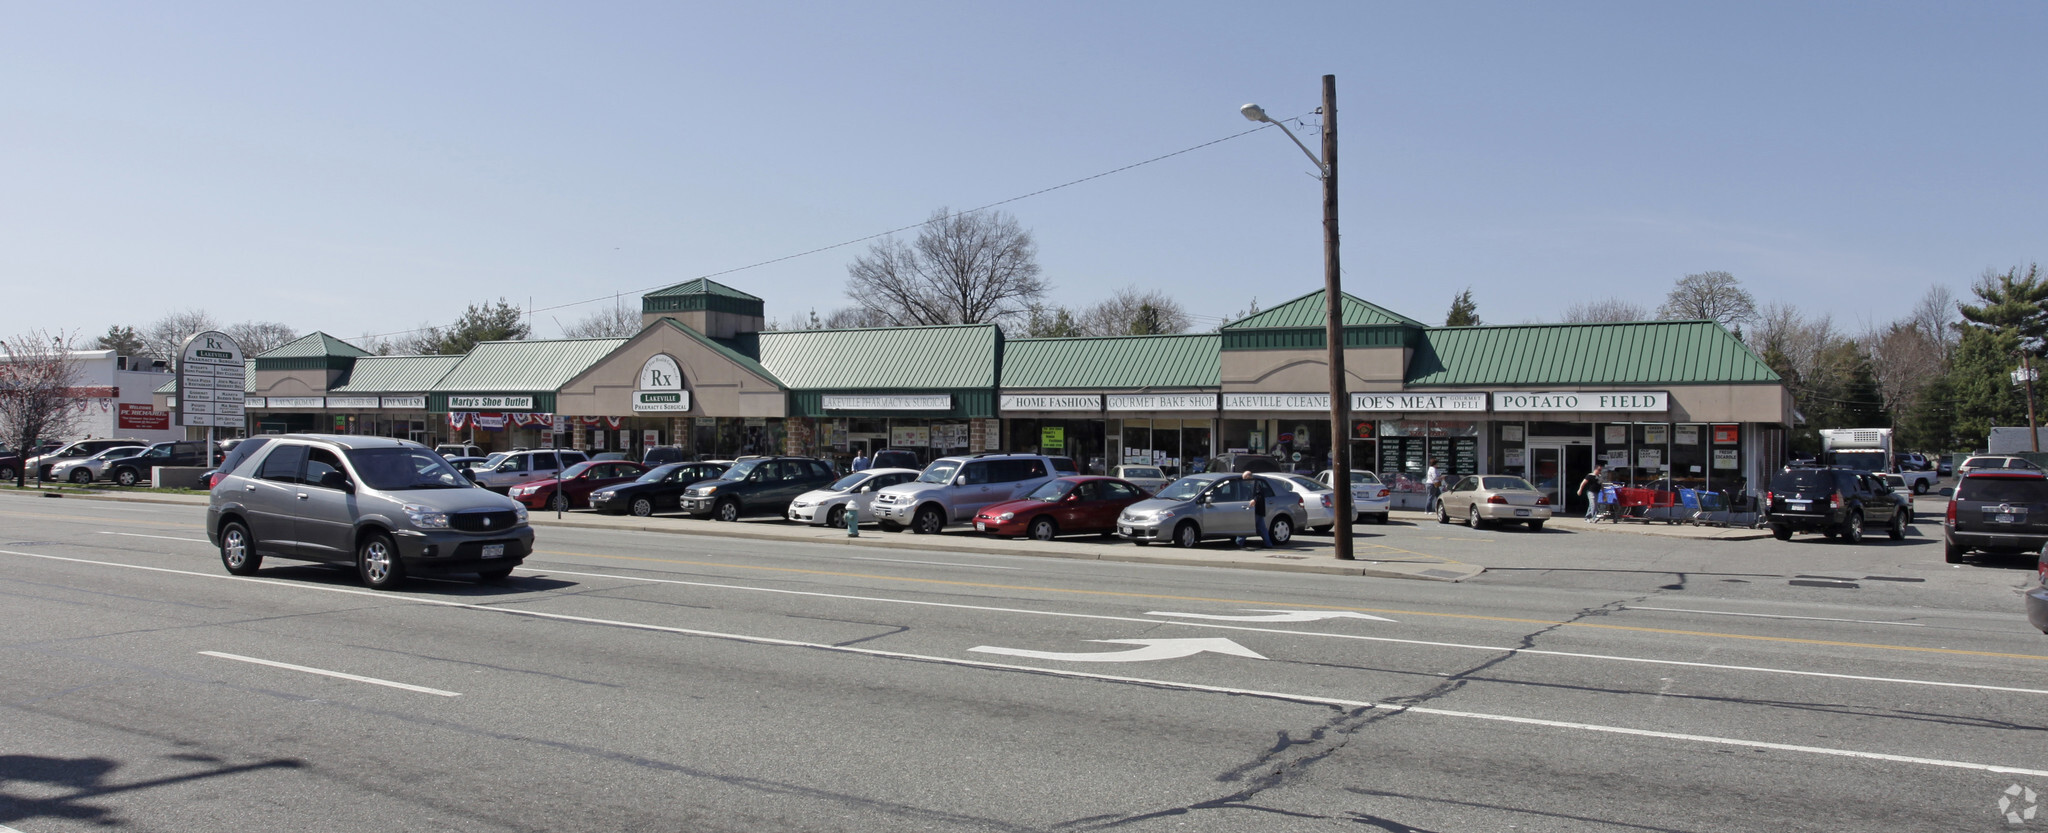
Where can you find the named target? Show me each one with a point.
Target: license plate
(980, 527)
(1797, 504)
(1521, 513)
(2003, 519)
(494, 550)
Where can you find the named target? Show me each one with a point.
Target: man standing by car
(1590, 487)
(1435, 478)
(1258, 499)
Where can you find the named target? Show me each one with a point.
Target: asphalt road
(1589, 681)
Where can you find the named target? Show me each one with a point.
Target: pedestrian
(1435, 479)
(860, 460)
(1590, 487)
(1251, 482)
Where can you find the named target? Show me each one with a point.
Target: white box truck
(1870, 449)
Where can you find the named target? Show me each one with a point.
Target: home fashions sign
(1050, 402)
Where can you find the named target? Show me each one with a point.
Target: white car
(88, 469)
(1319, 504)
(1149, 478)
(1370, 497)
(827, 506)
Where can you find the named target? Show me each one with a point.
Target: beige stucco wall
(713, 324)
(294, 382)
(1297, 371)
(718, 386)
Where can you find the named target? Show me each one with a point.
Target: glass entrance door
(1546, 472)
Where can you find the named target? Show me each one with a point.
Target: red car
(1062, 506)
(572, 489)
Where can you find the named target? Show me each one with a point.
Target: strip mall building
(1682, 400)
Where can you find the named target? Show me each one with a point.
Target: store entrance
(1546, 471)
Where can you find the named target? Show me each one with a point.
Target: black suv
(129, 471)
(1833, 502)
(2000, 511)
(757, 486)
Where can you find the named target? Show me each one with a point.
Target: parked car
(1482, 499)
(757, 486)
(571, 489)
(525, 467)
(896, 458)
(952, 489)
(1913, 461)
(134, 469)
(1371, 498)
(662, 455)
(609, 455)
(1209, 505)
(88, 469)
(828, 505)
(12, 462)
(389, 508)
(1149, 478)
(1944, 466)
(1833, 502)
(1318, 502)
(42, 463)
(470, 464)
(458, 450)
(1234, 462)
(1061, 506)
(1902, 494)
(660, 489)
(1998, 511)
(1995, 462)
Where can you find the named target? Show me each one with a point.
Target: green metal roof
(715, 346)
(1308, 311)
(1159, 361)
(885, 358)
(522, 366)
(1649, 352)
(700, 286)
(312, 345)
(397, 374)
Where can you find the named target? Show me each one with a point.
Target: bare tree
(39, 396)
(974, 268)
(1133, 311)
(850, 318)
(1904, 358)
(618, 321)
(259, 337)
(1713, 296)
(1936, 316)
(1605, 310)
(169, 332)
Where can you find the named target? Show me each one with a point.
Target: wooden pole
(1340, 399)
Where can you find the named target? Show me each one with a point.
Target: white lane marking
(1149, 650)
(1277, 615)
(1503, 649)
(1775, 616)
(934, 563)
(326, 673)
(1082, 675)
(163, 537)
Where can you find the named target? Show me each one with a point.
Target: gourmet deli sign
(1418, 402)
(1599, 400)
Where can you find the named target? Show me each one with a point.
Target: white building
(116, 398)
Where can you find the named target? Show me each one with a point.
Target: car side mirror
(960, 481)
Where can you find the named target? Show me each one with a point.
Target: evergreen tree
(1984, 393)
(478, 324)
(124, 341)
(1464, 312)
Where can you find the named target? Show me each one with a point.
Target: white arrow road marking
(1278, 616)
(1153, 649)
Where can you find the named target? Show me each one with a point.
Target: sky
(367, 168)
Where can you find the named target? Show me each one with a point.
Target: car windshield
(1501, 484)
(939, 472)
(400, 469)
(1141, 471)
(1051, 490)
(1304, 482)
(575, 471)
(492, 461)
(1789, 481)
(1186, 488)
(658, 473)
(848, 482)
(2003, 489)
(739, 471)
(123, 451)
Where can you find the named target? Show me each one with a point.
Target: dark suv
(1833, 502)
(2001, 511)
(757, 486)
(129, 471)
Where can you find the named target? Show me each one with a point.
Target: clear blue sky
(367, 167)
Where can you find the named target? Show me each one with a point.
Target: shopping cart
(1630, 503)
(1702, 506)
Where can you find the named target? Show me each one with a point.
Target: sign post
(211, 379)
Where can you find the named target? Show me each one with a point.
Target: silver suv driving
(387, 507)
(952, 489)
(525, 467)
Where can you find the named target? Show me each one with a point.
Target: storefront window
(1689, 468)
(1511, 449)
(1245, 435)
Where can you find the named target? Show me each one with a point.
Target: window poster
(1511, 433)
(1512, 458)
(1617, 434)
(1649, 458)
(1724, 458)
(597, 441)
(650, 437)
(1656, 434)
(1688, 435)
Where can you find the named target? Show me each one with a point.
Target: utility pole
(1340, 399)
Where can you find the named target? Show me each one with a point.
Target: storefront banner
(910, 437)
(645, 401)
(143, 418)
(928, 402)
(298, 402)
(1637, 401)
(1276, 402)
(1049, 402)
(1418, 402)
(250, 402)
(411, 403)
(507, 403)
(353, 402)
(457, 419)
(488, 422)
(1162, 401)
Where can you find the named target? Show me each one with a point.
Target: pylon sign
(211, 380)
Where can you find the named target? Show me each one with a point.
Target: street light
(1333, 329)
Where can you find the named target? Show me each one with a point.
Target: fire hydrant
(852, 519)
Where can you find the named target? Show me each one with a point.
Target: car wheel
(642, 507)
(1535, 526)
(1472, 518)
(727, 510)
(1187, 535)
(1044, 529)
(126, 477)
(378, 563)
(928, 521)
(836, 517)
(1919, 487)
(1952, 553)
(6, 472)
(560, 503)
(493, 575)
(1281, 530)
(1853, 532)
(1898, 527)
(238, 550)
(1782, 533)
(1443, 516)
(81, 476)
